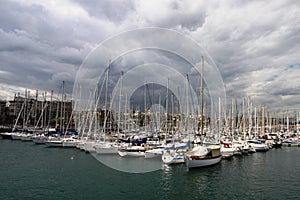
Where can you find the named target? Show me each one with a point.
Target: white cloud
(252, 42)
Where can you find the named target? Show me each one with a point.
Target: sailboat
(104, 146)
(202, 156)
(16, 133)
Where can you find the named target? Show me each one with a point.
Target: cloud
(253, 43)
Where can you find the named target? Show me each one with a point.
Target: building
(29, 112)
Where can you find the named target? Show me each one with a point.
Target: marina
(157, 100)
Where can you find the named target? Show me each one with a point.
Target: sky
(255, 44)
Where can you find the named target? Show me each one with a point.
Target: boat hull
(261, 148)
(106, 148)
(39, 140)
(16, 136)
(110, 150)
(132, 152)
(6, 135)
(26, 138)
(202, 162)
(152, 154)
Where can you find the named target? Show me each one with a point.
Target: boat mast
(232, 117)
(202, 95)
(220, 116)
(167, 106)
(25, 110)
(120, 98)
(50, 110)
(255, 121)
(187, 103)
(244, 119)
(159, 111)
(64, 107)
(287, 122)
(36, 102)
(249, 115)
(263, 120)
(145, 106)
(106, 92)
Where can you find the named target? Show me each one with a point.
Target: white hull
(202, 162)
(112, 150)
(201, 156)
(134, 151)
(89, 146)
(227, 152)
(70, 142)
(260, 148)
(251, 150)
(16, 136)
(131, 154)
(153, 153)
(80, 146)
(39, 140)
(26, 138)
(6, 135)
(106, 148)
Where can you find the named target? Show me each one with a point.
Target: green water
(29, 171)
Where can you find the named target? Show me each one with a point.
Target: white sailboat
(154, 153)
(258, 145)
(132, 151)
(54, 142)
(70, 141)
(202, 156)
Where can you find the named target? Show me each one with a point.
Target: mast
(36, 102)
(187, 103)
(220, 116)
(61, 107)
(244, 118)
(145, 106)
(202, 95)
(232, 117)
(45, 111)
(249, 115)
(64, 107)
(255, 121)
(106, 95)
(172, 110)
(25, 109)
(159, 111)
(263, 120)
(43, 105)
(120, 98)
(50, 109)
(167, 106)
(287, 122)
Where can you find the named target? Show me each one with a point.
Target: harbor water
(29, 171)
